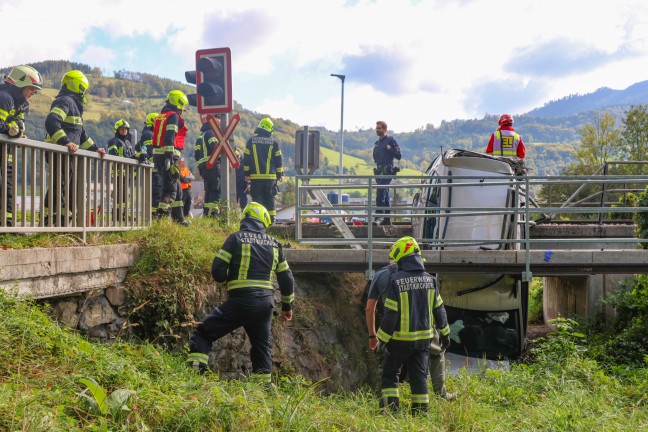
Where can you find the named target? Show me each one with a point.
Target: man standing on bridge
(412, 305)
(385, 150)
(247, 260)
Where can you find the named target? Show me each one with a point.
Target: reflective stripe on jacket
(506, 143)
(64, 123)
(169, 132)
(262, 160)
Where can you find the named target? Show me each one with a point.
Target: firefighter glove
(380, 348)
(14, 129)
(142, 157)
(174, 172)
(445, 341)
(167, 164)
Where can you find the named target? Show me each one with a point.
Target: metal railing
(45, 188)
(594, 207)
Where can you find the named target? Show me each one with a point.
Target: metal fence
(45, 188)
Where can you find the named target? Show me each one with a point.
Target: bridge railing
(410, 212)
(45, 188)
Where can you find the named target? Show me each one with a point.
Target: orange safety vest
(159, 129)
(184, 172)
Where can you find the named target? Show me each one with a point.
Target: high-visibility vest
(184, 172)
(506, 143)
(160, 128)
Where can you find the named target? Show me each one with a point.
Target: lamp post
(341, 170)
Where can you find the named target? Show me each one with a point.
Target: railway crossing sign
(223, 143)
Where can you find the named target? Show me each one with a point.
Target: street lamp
(341, 170)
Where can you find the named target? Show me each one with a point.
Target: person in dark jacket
(122, 145)
(242, 185)
(263, 165)
(205, 145)
(385, 150)
(246, 261)
(64, 127)
(406, 332)
(144, 146)
(169, 132)
(21, 84)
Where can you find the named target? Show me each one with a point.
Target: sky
(409, 63)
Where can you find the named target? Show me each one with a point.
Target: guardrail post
(527, 276)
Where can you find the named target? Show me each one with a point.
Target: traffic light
(213, 79)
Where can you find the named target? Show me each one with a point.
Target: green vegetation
(53, 379)
(535, 301)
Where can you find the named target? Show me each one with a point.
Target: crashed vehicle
(487, 313)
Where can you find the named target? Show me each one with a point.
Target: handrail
(523, 187)
(53, 190)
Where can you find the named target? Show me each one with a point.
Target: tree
(600, 142)
(635, 136)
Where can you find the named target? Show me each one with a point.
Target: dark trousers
(254, 314)
(242, 198)
(212, 192)
(58, 190)
(7, 178)
(186, 201)
(382, 196)
(171, 200)
(261, 191)
(416, 360)
(156, 190)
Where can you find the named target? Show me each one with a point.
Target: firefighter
(385, 150)
(376, 293)
(144, 145)
(505, 141)
(64, 127)
(406, 331)
(246, 261)
(122, 145)
(205, 145)
(263, 166)
(242, 185)
(186, 177)
(169, 133)
(21, 84)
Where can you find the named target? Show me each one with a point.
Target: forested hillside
(550, 138)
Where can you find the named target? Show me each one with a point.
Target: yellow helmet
(178, 99)
(258, 212)
(150, 119)
(266, 124)
(121, 123)
(76, 82)
(402, 247)
(25, 76)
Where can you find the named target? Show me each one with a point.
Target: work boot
(419, 408)
(184, 222)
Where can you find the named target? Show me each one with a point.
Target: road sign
(223, 143)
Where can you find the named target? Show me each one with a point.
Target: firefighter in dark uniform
(242, 185)
(406, 330)
(246, 261)
(144, 146)
(263, 166)
(205, 145)
(22, 83)
(169, 132)
(385, 151)
(121, 145)
(64, 127)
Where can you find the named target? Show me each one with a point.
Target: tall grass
(53, 379)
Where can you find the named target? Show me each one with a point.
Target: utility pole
(341, 169)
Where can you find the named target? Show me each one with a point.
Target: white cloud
(407, 62)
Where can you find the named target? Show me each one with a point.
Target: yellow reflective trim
(3, 115)
(288, 299)
(198, 357)
(58, 112)
(391, 304)
(420, 398)
(256, 159)
(384, 337)
(247, 151)
(263, 176)
(404, 312)
(445, 331)
(413, 336)
(73, 120)
(58, 135)
(172, 127)
(278, 153)
(249, 283)
(389, 392)
(246, 255)
(283, 266)
(275, 259)
(268, 162)
(224, 255)
(439, 301)
(87, 144)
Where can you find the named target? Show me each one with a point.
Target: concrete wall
(83, 285)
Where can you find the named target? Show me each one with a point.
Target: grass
(54, 379)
